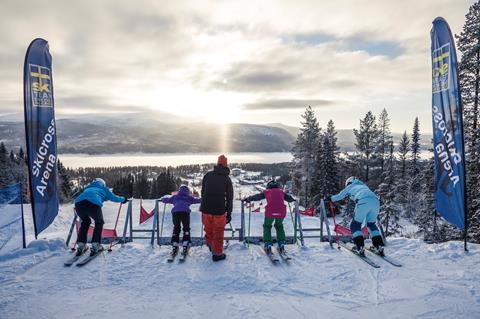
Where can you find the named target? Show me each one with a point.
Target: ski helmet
(184, 189)
(101, 181)
(273, 184)
(350, 180)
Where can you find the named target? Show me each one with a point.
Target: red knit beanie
(222, 161)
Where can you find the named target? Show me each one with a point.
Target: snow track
(135, 281)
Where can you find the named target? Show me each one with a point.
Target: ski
(89, 258)
(386, 258)
(173, 254)
(271, 256)
(72, 260)
(364, 258)
(283, 254)
(184, 254)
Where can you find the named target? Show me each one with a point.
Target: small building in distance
(236, 171)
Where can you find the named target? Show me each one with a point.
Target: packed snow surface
(135, 281)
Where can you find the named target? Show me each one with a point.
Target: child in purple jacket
(181, 213)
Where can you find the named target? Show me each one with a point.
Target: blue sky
(231, 61)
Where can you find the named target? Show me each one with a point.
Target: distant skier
(216, 207)
(89, 205)
(367, 207)
(275, 212)
(181, 214)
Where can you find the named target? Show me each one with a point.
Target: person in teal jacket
(88, 205)
(367, 207)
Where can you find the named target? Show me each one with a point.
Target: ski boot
(218, 257)
(185, 247)
(380, 250)
(96, 249)
(359, 245)
(359, 250)
(281, 247)
(186, 238)
(268, 248)
(81, 248)
(378, 245)
(175, 247)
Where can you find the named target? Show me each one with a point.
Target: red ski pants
(214, 226)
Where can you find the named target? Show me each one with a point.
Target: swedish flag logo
(441, 68)
(41, 86)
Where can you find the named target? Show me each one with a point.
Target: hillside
(116, 135)
(139, 134)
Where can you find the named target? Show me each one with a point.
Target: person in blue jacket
(88, 205)
(181, 213)
(367, 207)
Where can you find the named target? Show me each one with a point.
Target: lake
(167, 159)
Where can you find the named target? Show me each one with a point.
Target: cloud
(358, 42)
(209, 55)
(283, 104)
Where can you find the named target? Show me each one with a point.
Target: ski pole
(295, 221)
(249, 217)
(115, 228)
(74, 222)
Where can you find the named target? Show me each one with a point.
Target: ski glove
(125, 200)
(229, 217)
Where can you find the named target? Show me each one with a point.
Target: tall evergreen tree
(366, 138)
(384, 137)
(304, 153)
(5, 166)
(469, 74)
(331, 158)
(64, 184)
(389, 214)
(414, 179)
(415, 148)
(141, 187)
(426, 219)
(403, 149)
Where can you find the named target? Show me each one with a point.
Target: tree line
(13, 169)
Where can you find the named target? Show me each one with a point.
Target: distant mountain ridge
(121, 135)
(106, 134)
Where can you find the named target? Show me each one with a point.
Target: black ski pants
(181, 219)
(86, 210)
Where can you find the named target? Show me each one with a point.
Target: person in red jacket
(216, 206)
(275, 212)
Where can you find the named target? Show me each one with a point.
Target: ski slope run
(135, 281)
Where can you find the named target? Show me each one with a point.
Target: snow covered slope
(135, 281)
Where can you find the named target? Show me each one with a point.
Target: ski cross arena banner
(447, 127)
(40, 133)
(12, 232)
